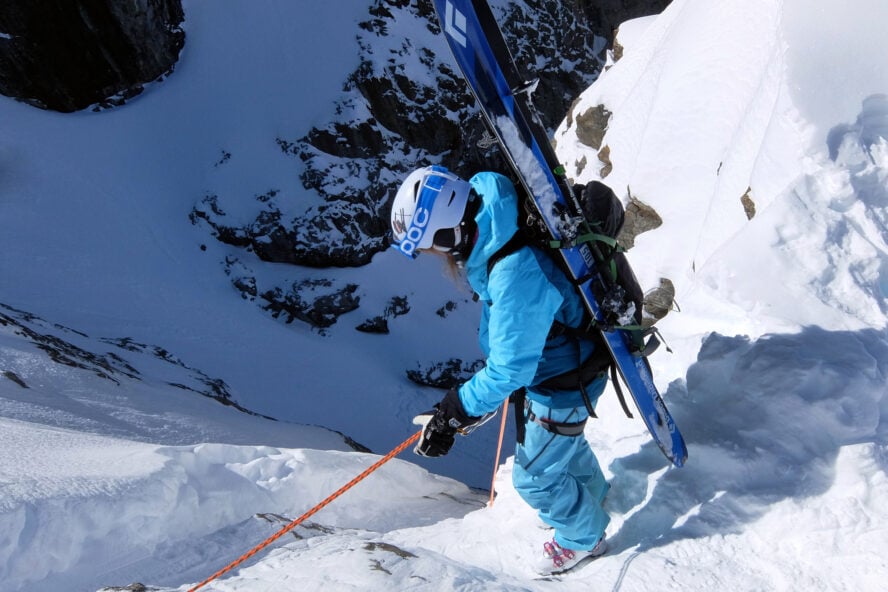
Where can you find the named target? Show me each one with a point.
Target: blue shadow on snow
(764, 421)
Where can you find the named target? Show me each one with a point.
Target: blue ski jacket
(525, 293)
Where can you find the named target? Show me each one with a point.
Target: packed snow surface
(114, 470)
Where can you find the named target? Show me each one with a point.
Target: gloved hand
(442, 423)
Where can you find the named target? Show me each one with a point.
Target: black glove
(442, 423)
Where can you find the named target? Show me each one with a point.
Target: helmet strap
(468, 230)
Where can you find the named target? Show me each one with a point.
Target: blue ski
(487, 65)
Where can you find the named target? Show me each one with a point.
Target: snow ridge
(777, 380)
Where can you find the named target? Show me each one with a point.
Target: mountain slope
(777, 380)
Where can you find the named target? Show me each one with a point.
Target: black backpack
(620, 296)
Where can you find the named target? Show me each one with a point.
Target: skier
(528, 308)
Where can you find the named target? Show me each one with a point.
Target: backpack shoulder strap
(517, 241)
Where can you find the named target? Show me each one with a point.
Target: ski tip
(679, 459)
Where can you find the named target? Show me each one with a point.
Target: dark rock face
(444, 375)
(407, 106)
(417, 117)
(66, 55)
(605, 16)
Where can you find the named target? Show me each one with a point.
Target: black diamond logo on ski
(455, 24)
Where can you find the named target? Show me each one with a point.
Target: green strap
(613, 269)
(594, 236)
(586, 238)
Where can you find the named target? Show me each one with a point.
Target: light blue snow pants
(560, 477)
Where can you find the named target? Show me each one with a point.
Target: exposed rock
(639, 218)
(396, 307)
(591, 126)
(448, 308)
(605, 16)
(389, 548)
(15, 378)
(134, 587)
(378, 325)
(748, 204)
(658, 302)
(445, 375)
(606, 165)
(317, 302)
(618, 50)
(77, 350)
(581, 165)
(406, 105)
(246, 285)
(66, 55)
(629, 10)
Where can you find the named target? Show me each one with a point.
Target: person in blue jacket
(529, 306)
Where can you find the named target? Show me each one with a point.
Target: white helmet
(430, 199)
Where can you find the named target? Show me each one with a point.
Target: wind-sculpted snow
(771, 423)
(79, 497)
(723, 114)
(765, 422)
(777, 380)
(774, 426)
(716, 140)
(61, 377)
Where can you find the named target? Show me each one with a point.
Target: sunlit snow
(110, 475)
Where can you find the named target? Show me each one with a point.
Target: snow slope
(778, 379)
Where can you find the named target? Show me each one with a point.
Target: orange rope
(499, 447)
(311, 512)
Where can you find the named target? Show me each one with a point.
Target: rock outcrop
(67, 55)
(406, 105)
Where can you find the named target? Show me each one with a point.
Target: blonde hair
(451, 269)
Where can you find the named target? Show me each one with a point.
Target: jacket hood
(497, 221)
